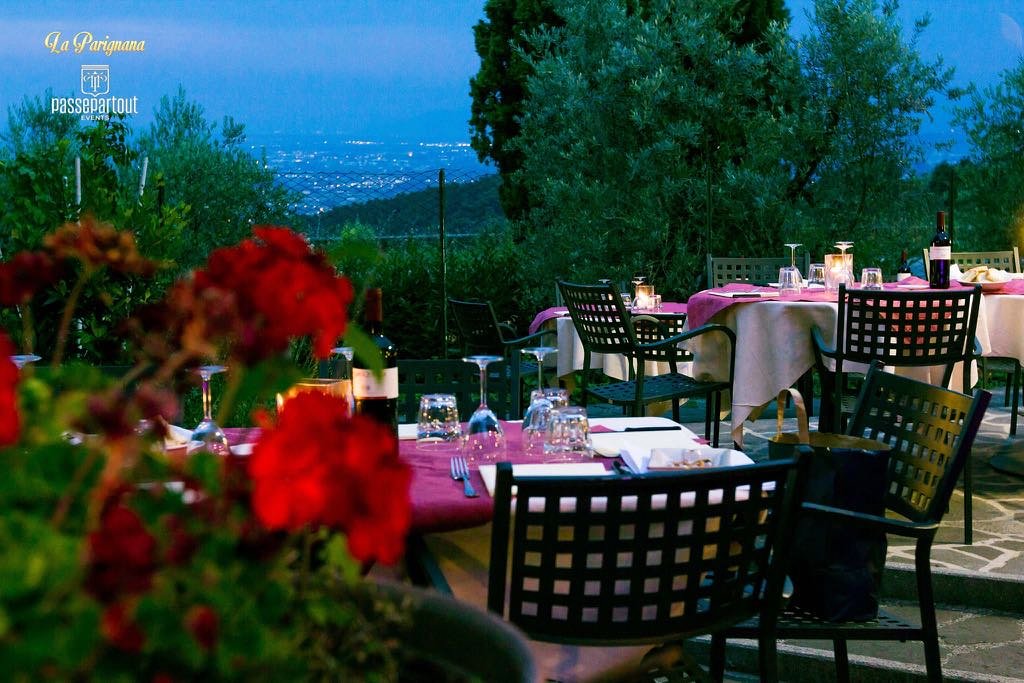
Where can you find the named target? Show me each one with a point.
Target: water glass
(538, 415)
(871, 278)
(437, 426)
(656, 302)
(816, 274)
(790, 281)
(568, 435)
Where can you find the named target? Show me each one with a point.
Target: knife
(673, 428)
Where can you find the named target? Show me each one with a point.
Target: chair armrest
(704, 329)
(523, 341)
(900, 527)
(820, 346)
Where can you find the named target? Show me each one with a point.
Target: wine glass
(842, 246)
(637, 281)
(792, 256)
(485, 439)
(208, 436)
(344, 373)
(535, 421)
(539, 352)
(22, 359)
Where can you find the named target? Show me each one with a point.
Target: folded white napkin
(611, 444)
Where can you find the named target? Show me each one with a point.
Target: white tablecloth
(773, 347)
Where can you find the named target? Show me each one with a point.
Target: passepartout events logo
(97, 102)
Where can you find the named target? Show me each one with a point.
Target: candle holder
(838, 271)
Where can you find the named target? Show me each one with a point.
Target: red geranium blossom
(119, 629)
(25, 274)
(203, 624)
(122, 555)
(10, 422)
(318, 466)
(282, 290)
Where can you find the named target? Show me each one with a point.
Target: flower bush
(120, 563)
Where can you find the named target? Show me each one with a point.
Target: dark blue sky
(373, 68)
(359, 68)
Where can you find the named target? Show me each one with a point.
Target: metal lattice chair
(604, 326)
(644, 559)
(756, 271)
(900, 329)
(481, 333)
(931, 431)
(457, 377)
(1008, 260)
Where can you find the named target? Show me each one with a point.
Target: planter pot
(463, 639)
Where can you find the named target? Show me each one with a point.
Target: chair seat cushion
(657, 388)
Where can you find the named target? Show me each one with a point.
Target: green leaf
(364, 349)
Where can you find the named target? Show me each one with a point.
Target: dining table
(773, 339)
(455, 530)
(570, 349)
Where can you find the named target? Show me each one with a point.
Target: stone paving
(980, 587)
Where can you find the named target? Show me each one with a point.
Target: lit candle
(643, 297)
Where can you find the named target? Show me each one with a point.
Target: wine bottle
(903, 272)
(940, 254)
(377, 396)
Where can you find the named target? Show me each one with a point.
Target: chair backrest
(654, 328)
(931, 431)
(437, 376)
(916, 328)
(478, 327)
(600, 318)
(1008, 260)
(759, 271)
(616, 560)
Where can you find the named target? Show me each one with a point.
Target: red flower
(182, 545)
(282, 290)
(122, 555)
(317, 466)
(119, 629)
(24, 275)
(202, 623)
(98, 244)
(10, 421)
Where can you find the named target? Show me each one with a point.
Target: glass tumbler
(437, 426)
(568, 435)
(538, 415)
(871, 278)
(816, 274)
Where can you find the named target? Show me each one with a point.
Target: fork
(460, 470)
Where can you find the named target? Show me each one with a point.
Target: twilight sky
(360, 68)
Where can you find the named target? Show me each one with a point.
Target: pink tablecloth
(438, 503)
(560, 311)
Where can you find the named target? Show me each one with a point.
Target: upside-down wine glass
(485, 439)
(22, 359)
(842, 246)
(637, 280)
(792, 256)
(344, 373)
(208, 436)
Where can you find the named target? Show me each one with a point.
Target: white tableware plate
(242, 449)
(913, 286)
(638, 460)
(407, 432)
(985, 286)
(489, 473)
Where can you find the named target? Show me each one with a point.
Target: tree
(992, 192)
(498, 89)
(862, 90)
(636, 127)
(206, 168)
